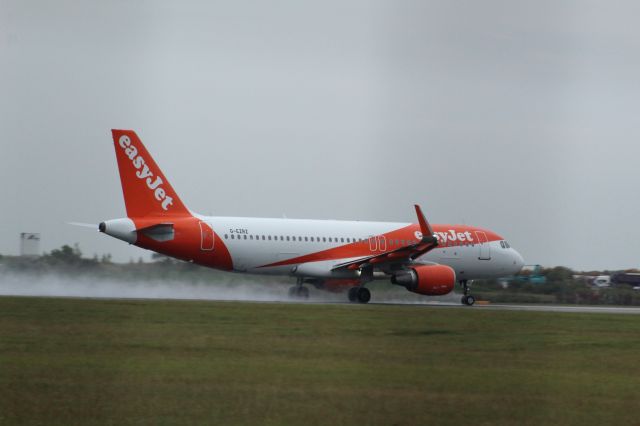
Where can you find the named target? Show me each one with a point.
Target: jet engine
(430, 280)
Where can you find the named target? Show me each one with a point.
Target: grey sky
(518, 116)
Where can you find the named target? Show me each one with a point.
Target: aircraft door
(373, 243)
(382, 243)
(206, 237)
(483, 248)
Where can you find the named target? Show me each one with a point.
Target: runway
(564, 308)
(624, 310)
(63, 287)
(537, 308)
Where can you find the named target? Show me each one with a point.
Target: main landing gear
(359, 295)
(298, 291)
(467, 299)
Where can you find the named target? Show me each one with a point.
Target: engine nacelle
(430, 280)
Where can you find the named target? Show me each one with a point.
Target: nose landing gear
(467, 299)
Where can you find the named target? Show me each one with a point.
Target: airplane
(327, 254)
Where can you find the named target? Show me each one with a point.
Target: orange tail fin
(146, 191)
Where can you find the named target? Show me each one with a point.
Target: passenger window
(226, 236)
(324, 239)
(288, 238)
(232, 237)
(245, 236)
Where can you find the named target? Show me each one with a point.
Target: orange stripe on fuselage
(444, 233)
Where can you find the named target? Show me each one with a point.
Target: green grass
(74, 361)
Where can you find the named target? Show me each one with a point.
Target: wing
(404, 254)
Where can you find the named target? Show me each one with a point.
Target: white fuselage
(256, 242)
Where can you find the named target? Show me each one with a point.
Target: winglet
(425, 228)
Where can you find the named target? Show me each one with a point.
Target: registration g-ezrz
(238, 231)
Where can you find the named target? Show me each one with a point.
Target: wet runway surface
(55, 286)
(534, 308)
(433, 305)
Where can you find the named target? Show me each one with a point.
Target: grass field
(75, 361)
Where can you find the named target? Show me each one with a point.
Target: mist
(59, 285)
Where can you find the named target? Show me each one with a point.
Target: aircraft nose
(518, 261)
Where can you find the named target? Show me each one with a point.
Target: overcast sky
(523, 117)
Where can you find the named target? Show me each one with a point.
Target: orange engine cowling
(430, 280)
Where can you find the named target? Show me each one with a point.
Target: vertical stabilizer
(147, 192)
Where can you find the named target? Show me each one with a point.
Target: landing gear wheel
(296, 292)
(293, 291)
(353, 294)
(303, 293)
(468, 300)
(363, 295)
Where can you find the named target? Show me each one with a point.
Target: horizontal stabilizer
(158, 232)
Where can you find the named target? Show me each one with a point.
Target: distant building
(602, 281)
(29, 244)
(630, 278)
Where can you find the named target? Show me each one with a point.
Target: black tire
(303, 292)
(364, 295)
(463, 300)
(353, 294)
(470, 300)
(293, 292)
